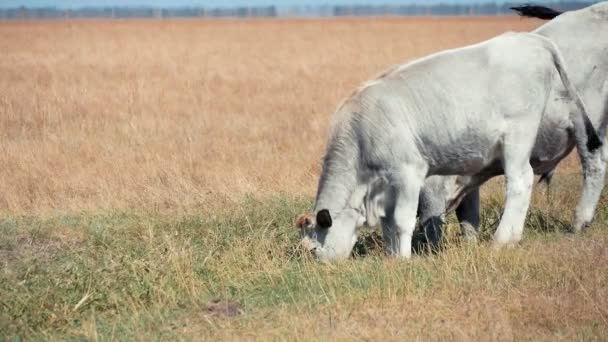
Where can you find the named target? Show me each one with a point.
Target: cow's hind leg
(519, 180)
(594, 170)
(400, 221)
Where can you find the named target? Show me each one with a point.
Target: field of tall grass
(150, 173)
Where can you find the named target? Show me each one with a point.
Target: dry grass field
(150, 167)
(176, 115)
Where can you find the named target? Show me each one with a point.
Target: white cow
(582, 37)
(457, 112)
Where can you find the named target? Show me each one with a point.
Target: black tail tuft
(534, 11)
(593, 141)
(547, 177)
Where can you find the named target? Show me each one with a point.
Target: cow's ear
(324, 219)
(304, 221)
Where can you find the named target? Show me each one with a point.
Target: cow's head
(330, 237)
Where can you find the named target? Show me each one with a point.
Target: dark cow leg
(468, 215)
(431, 211)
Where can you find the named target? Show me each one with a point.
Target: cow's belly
(465, 157)
(483, 158)
(552, 145)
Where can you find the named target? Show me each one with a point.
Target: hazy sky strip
(225, 3)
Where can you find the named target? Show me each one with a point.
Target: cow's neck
(338, 179)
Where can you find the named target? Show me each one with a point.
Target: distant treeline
(274, 11)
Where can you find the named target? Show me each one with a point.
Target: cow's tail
(546, 177)
(534, 11)
(593, 140)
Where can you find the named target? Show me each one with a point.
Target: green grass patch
(125, 275)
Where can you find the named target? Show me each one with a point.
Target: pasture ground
(150, 167)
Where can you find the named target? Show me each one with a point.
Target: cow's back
(454, 101)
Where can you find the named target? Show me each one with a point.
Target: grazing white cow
(582, 37)
(457, 112)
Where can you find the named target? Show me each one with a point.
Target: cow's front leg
(594, 170)
(406, 184)
(519, 180)
(468, 215)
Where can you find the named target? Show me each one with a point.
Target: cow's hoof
(581, 227)
(470, 239)
(496, 245)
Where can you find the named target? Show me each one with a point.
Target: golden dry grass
(178, 115)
